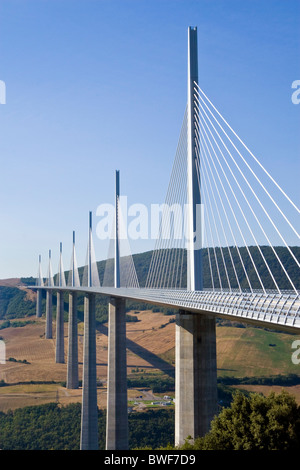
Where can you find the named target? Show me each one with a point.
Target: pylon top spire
(39, 280)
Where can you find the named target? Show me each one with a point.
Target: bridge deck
(280, 311)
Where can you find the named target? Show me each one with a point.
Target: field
(150, 349)
(254, 352)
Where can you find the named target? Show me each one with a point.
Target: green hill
(14, 304)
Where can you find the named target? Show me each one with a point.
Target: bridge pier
(72, 364)
(39, 303)
(117, 413)
(195, 375)
(60, 356)
(89, 411)
(48, 332)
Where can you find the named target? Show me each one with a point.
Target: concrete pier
(195, 375)
(117, 413)
(48, 331)
(89, 411)
(59, 353)
(72, 364)
(39, 303)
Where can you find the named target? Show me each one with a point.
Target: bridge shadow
(144, 353)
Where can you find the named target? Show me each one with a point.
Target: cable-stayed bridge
(222, 250)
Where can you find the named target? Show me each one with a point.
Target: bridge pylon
(49, 296)
(72, 361)
(194, 252)
(117, 414)
(195, 360)
(59, 351)
(89, 410)
(39, 291)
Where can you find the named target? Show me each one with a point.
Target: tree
(254, 422)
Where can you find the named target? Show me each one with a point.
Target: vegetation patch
(16, 324)
(157, 383)
(254, 422)
(55, 427)
(251, 422)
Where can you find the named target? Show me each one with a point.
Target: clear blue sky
(98, 85)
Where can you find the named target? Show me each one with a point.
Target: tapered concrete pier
(48, 331)
(89, 412)
(72, 368)
(39, 303)
(195, 375)
(117, 414)
(72, 365)
(59, 351)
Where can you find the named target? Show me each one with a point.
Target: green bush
(254, 422)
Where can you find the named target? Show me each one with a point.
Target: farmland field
(241, 352)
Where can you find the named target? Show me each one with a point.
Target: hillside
(242, 352)
(142, 262)
(18, 302)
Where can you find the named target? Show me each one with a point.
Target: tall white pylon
(73, 279)
(39, 280)
(61, 274)
(50, 281)
(194, 254)
(90, 274)
(117, 242)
